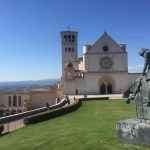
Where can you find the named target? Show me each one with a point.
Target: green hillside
(91, 127)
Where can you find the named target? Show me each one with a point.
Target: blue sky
(30, 32)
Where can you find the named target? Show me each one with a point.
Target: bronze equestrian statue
(139, 90)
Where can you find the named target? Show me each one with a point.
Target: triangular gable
(107, 41)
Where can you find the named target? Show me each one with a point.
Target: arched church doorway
(109, 88)
(106, 85)
(103, 88)
(76, 91)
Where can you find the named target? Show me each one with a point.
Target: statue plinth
(134, 131)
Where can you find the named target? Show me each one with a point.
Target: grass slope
(91, 127)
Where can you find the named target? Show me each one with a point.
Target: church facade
(103, 69)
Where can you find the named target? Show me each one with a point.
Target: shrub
(1, 128)
(52, 113)
(94, 98)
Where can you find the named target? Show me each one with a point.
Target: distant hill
(21, 85)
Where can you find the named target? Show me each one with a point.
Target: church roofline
(69, 32)
(105, 34)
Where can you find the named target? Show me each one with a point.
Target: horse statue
(138, 90)
(136, 130)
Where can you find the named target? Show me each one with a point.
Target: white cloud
(136, 68)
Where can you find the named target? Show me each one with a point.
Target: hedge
(1, 128)
(52, 113)
(95, 98)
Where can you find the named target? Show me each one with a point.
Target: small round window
(105, 48)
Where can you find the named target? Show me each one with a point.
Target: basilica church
(103, 68)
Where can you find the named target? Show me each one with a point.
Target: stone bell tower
(69, 45)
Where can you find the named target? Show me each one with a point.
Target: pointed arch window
(73, 38)
(72, 49)
(9, 101)
(69, 38)
(69, 49)
(19, 100)
(65, 38)
(66, 49)
(14, 100)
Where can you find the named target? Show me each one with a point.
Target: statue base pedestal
(134, 131)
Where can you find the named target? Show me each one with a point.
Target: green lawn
(91, 127)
